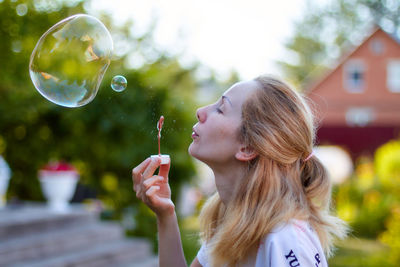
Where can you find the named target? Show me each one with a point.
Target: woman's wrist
(166, 218)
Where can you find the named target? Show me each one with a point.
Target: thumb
(164, 170)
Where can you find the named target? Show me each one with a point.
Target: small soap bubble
(119, 83)
(70, 59)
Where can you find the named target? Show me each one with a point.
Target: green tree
(106, 138)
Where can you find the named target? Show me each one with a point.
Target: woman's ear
(246, 153)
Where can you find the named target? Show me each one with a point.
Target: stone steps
(114, 253)
(33, 218)
(44, 244)
(34, 236)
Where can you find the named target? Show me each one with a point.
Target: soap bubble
(70, 59)
(119, 83)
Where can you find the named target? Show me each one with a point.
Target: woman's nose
(201, 114)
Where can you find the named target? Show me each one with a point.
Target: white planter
(3, 190)
(5, 175)
(58, 187)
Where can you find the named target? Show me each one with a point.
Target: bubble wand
(159, 128)
(164, 158)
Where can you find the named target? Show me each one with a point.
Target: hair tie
(309, 156)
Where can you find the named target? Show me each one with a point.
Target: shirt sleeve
(287, 248)
(202, 255)
(273, 253)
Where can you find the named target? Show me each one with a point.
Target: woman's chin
(192, 152)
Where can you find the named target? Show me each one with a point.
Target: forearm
(170, 250)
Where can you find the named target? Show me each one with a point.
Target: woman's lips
(194, 134)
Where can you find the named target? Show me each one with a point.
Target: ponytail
(316, 186)
(315, 181)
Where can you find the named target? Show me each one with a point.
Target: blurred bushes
(104, 139)
(361, 202)
(370, 199)
(387, 165)
(391, 236)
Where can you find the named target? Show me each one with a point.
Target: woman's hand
(152, 189)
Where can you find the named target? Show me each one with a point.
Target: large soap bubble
(70, 59)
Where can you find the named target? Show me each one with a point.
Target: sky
(243, 35)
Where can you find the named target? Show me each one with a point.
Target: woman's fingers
(152, 190)
(137, 172)
(149, 195)
(151, 168)
(147, 185)
(151, 181)
(151, 198)
(164, 170)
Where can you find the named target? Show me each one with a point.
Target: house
(358, 102)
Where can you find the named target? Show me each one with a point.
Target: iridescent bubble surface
(119, 83)
(70, 59)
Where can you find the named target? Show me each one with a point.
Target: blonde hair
(281, 185)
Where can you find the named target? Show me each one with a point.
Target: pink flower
(58, 166)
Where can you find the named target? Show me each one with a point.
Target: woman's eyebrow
(227, 99)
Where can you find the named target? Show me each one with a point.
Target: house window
(359, 116)
(393, 76)
(377, 47)
(354, 76)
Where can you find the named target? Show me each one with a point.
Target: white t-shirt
(290, 245)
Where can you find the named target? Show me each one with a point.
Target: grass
(356, 252)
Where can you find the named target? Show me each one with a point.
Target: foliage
(366, 200)
(361, 201)
(358, 252)
(104, 139)
(388, 168)
(369, 201)
(392, 236)
(385, 13)
(387, 164)
(328, 31)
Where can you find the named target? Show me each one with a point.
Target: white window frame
(377, 46)
(350, 67)
(360, 116)
(393, 75)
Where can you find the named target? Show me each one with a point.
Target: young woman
(271, 207)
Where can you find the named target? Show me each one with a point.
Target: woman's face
(215, 135)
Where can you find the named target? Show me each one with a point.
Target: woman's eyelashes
(218, 106)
